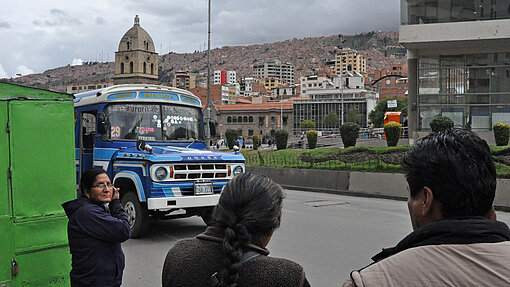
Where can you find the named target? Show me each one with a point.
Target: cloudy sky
(40, 35)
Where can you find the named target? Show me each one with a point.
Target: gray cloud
(58, 18)
(101, 21)
(5, 24)
(83, 31)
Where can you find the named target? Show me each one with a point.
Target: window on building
(250, 119)
(144, 67)
(130, 67)
(239, 119)
(245, 119)
(285, 118)
(261, 121)
(152, 69)
(229, 119)
(122, 68)
(273, 120)
(250, 133)
(234, 119)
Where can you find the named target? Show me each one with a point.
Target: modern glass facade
(443, 11)
(472, 89)
(317, 110)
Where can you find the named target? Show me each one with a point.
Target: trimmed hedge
(349, 133)
(307, 124)
(441, 123)
(311, 137)
(256, 142)
(231, 136)
(281, 137)
(501, 133)
(392, 131)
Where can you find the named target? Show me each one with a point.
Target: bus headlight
(161, 173)
(238, 170)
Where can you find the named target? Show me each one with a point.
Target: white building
(337, 95)
(222, 77)
(275, 69)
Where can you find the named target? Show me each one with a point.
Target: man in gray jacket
(457, 240)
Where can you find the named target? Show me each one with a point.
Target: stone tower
(136, 61)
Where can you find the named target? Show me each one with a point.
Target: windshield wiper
(191, 142)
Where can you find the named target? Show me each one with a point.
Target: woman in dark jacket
(95, 234)
(232, 252)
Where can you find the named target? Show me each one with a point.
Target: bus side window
(88, 129)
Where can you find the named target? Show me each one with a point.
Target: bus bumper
(165, 203)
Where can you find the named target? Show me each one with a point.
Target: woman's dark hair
(458, 167)
(249, 209)
(88, 178)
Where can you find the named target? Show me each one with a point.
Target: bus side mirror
(101, 126)
(142, 146)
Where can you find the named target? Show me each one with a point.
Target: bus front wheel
(137, 213)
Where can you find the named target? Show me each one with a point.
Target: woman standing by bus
(95, 233)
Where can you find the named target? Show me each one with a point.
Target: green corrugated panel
(48, 268)
(4, 161)
(51, 233)
(6, 249)
(42, 157)
(6, 234)
(11, 91)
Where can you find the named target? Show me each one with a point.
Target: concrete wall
(369, 184)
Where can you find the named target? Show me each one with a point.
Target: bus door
(87, 134)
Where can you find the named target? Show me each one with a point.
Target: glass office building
(458, 62)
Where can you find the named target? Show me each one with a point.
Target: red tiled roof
(256, 107)
(242, 101)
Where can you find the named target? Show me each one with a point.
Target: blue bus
(151, 141)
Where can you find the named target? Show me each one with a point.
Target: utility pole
(208, 107)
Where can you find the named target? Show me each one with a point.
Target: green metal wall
(6, 236)
(39, 148)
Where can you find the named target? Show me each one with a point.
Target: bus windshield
(153, 122)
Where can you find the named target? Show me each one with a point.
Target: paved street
(329, 235)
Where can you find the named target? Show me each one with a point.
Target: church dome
(136, 38)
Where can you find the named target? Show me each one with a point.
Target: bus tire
(137, 213)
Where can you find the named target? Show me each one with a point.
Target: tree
(307, 124)
(377, 115)
(331, 120)
(353, 116)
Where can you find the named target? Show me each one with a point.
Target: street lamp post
(208, 109)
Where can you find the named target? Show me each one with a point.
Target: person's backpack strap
(247, 256)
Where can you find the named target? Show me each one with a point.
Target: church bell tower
(136, 61)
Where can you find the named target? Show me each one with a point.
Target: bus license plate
(203, 188)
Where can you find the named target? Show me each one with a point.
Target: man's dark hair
(249, 208)
(457, 166)
(88, 178)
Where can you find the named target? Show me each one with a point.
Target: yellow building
(183, 80)
(350, 60)
(271, 83)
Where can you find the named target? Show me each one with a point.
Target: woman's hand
(116, 194)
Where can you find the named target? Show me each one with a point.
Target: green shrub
(231, 136)
(256, 142)
(349, 133)
(281, 137)
(392, 131)
(441, 123)
(501, 133)
(311, 137)
(307, 124)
